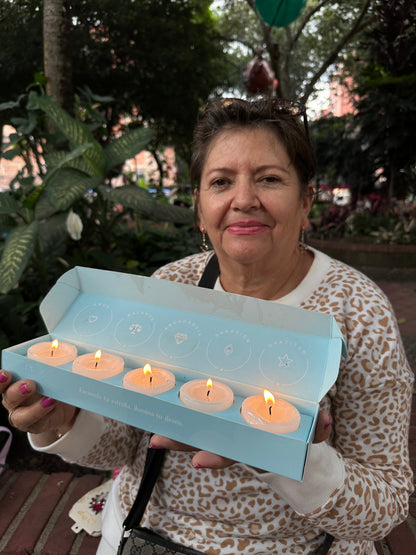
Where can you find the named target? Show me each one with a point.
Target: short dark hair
(279, 115)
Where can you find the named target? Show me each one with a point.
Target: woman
(252, 164)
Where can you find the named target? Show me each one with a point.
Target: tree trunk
(56, 52)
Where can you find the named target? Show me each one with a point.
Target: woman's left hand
(205, 459)
(201, 459)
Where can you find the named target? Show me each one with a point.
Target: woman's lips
(247, 227)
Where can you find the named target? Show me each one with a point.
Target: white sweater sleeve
(324, 476)
(76, 443)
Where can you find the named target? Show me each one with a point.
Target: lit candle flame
(97, 357)
(54, 346)
(147, 371)
(209, 386)
(269, 399)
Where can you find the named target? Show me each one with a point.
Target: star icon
(285, 361)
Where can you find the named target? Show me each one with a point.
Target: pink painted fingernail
(47, 402)
(3, 377)
(328, 424)
(154, 446)
(198, 466)
(24, 389)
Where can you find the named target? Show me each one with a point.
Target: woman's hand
(201, 459)
(31, 412)
(323, 426)
(205, 459)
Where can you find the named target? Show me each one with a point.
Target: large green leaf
(173, 214)
(73, 159)
(16, 255)
(77, 133)
(8, 204)
(31, 201)
(130, 196)
(52, 232)
(44, 208)
(126, 146)
(68, 185)
(139, 200)
(58, 158)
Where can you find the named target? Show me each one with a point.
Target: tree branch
(358, 26)
(305, 21)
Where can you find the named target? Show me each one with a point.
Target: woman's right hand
(32, 412)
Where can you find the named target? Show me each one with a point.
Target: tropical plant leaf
(139, 200)
(77, 133)
(53, 232)
(68, 185)
(130, 196)
(16, 255)
(60, 159)
(44, 208)
(173, 214)
(126, 147)
(8, 204)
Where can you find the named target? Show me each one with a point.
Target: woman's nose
(245, 196)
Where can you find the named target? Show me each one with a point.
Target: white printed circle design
(179, 339)
(284, 363)
(93, 319)
(135, 329)
(229, 350)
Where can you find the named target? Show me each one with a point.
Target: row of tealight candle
(260, 411)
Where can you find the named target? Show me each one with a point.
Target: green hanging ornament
(279, 13)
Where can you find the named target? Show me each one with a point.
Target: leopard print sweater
(233, 511)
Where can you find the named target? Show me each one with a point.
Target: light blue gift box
(246, 343)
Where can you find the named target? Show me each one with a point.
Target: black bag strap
(210, 273)
(152, 467)
(155, 457)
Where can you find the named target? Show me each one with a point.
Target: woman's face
(250, 201)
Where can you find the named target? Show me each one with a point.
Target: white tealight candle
(148, 380)
(206, 395)
(99, 366)
(261, 411)
(53, 353)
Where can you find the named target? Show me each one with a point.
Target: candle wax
(284, 417)
(43, 352)
(193, 395)
(137, 380)
(107, 366)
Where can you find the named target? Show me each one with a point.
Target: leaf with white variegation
(173, 214)
(56, 158)
(17, 251)
(73, 159)
(68, 185)
(139, 200)
(125, 147)
(77, 133)
(44, 208)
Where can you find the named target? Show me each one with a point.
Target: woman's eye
(271, 179)
(219, 183)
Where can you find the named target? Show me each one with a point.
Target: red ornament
(258, 76)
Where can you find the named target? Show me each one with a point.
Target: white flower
(74, 226)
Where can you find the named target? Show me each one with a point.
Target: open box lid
(196, 331)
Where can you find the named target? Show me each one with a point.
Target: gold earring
(302, 245)
(204, 246)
